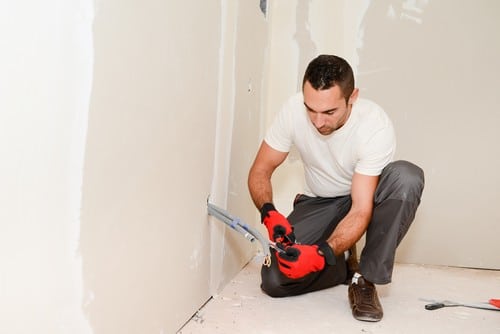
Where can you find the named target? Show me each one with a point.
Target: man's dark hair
(326, 71)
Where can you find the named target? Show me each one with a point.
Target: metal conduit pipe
(241, 227)
(232, 222)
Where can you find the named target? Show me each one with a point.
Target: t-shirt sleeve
(280, 135)
(377, 152)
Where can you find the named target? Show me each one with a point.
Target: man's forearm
(349, 231)
(259, 177)
(260, 188)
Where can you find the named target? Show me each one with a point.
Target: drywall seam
(223, 135)
(46, 78)
(360, 7)
(306, 45)
(84, 34)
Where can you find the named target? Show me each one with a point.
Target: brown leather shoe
(364, 301)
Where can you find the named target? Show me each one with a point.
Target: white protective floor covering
(241, 307)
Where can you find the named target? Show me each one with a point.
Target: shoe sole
(367, 319)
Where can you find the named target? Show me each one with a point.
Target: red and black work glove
(277, 225)
(300, 260)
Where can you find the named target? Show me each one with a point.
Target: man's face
(327, 109)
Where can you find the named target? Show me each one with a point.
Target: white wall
(433, 65)
(148, 164)
(45, 79)
(110, 119)
(167, 75)
(241, 109)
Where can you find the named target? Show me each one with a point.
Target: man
(352, 186)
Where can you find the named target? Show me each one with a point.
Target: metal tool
(437, 304)
(495, 302)
(277, 246)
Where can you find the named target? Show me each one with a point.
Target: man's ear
(353, 96)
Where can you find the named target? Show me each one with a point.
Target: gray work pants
(314, 219)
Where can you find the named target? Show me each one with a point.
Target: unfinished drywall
(242, 95)
(433, 65)
(119, 120)
(175, 111)
(148, 164)
(45, 80)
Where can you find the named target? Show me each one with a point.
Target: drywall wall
(242, 95)
(172, 81)
(433, 65)
(119, 119)
(148, 164)
(45, 80)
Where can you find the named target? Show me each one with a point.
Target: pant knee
(272, 283)
(411, 173)
(404, 180)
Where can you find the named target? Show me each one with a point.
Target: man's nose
(318, 120)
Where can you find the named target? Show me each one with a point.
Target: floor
(242, 307)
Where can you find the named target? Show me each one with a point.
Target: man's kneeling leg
(276, 284)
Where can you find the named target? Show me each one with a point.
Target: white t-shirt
(365, 144)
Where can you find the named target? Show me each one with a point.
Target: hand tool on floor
(437, 304)
(246, 230)
(495, 302)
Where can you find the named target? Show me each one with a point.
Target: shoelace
(366, 294)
